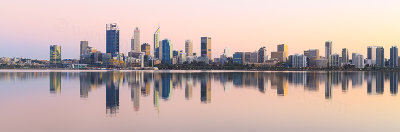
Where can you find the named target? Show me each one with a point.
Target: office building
(238, 58)
(394, 56)
(371, 55)
(83, 46)
(297, 61)
(227, 52)
(112, 39)
(283, 48)
(253, 57)
(334, 60)
(145, 48)
(55, 54)
(206, 47)
(262, 55)
(280, 56)
(358, 60)
(135, 41)
(166, 57)
(345, 56)
(189, 47)
(312, 56)
(328, 49)
(380, 57)
(156, 42)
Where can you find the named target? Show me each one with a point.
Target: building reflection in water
(112, 93)
(55, 82)
(345, 81)
(281, 84)
(380, 82)
(394, 81)
(205, 90)
(188, 89)
(328, 86)
(166, 86)
(140, 83)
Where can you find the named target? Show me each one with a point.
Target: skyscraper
(166, 57)
(394, 56)
(145, 48)
(206, 47)
(135, 46)
(156, 42)
(358, 60)
(262, 55)
(371, 55)
(83, 47)
(345, 56)
(55, 54)
(380, 57)
(112, 38)
(189, 47)
(334, 60)
(283, 48)
(328, 49)
(312, 56)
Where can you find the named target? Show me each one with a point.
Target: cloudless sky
(28, 27)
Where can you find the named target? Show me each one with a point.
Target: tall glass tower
(156, 43)
(112, 38)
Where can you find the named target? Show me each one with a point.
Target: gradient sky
(28, 27)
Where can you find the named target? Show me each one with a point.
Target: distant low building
(358, 60)
(238, 58)
(321, 63)
(280, 56)
(297, 61)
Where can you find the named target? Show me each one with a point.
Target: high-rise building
(189, 47)
(262, 55)
(283, 48)
(135, 42)
(334, 60)
(297, 60)
(112, 39)
(312, 56)
(83, 47)
(345, 56)
(156, 42)
(394, 56)
(280, 56)
(238, 58)
(358, 60)
(206, 47)
(328, 49)
(253, 57)
(145, 48)
(166, 57)
(380, 57)
(227, 52)
(371, 55)
(55, 54)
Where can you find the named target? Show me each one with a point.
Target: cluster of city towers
(163, 53)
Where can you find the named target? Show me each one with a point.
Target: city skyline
(229, 25)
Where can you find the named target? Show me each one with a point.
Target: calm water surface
(198, 101)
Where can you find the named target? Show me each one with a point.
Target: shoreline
(254, 70)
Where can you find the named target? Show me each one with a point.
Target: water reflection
(162, 84)
(55, 82)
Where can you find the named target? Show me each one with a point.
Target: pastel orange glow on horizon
(29, 27)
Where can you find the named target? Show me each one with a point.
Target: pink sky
(29, 27)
